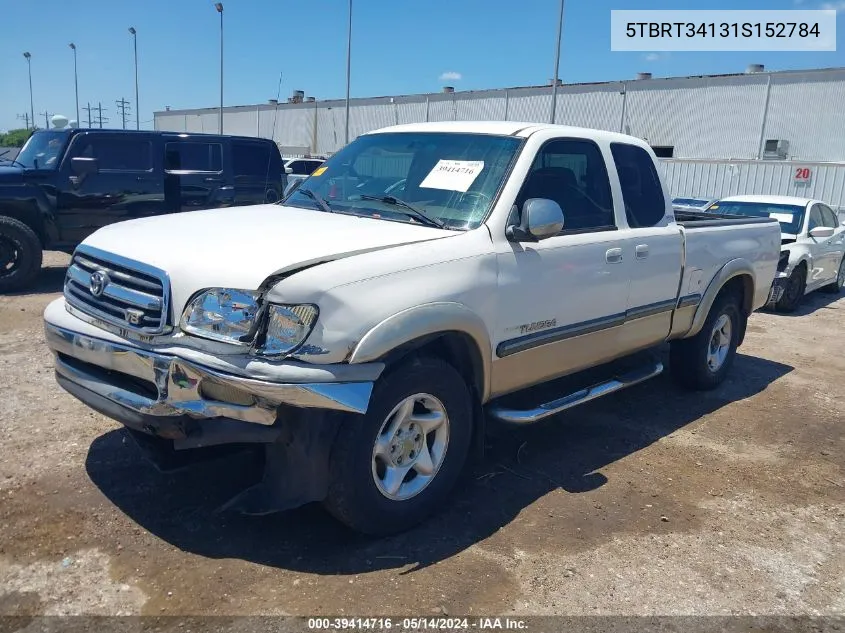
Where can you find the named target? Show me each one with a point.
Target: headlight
(287, 328)
(222, 314)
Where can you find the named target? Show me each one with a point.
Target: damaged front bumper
(184, 403)
(777, 289)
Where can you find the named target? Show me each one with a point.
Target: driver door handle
(641, 251)
(613, 256)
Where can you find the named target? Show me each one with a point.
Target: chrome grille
(119, 291)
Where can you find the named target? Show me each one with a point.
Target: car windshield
(43, 150)
(452, 178)
(690, 202)
(790, 216)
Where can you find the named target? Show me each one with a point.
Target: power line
(124, 108)
(46, 119)
(24, 117)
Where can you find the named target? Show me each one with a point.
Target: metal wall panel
(598, 107)
(718, 179)
(806, 110)
(701, 117)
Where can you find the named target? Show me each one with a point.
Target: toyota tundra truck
(426, 281)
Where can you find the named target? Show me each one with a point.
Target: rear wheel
(20, 255)
(396, 465)
(702, 361)
(836, 286)
(794, 289)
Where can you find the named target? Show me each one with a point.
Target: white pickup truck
(363, 340)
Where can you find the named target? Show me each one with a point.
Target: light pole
(75, 82)
(557, 64)
(134, 34)
(219, 7)
(348, 67)
(31, 106)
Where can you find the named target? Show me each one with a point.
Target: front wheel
(793, 291)
(20, 255)
(702, 361)
(396, 465)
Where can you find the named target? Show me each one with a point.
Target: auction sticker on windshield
(782, 217)
(453, 175)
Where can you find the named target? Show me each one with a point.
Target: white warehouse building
(723, 133)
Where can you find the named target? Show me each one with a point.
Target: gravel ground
(653, 502)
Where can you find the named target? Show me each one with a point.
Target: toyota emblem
(97, 284)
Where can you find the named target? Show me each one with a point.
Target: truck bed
(695, 219)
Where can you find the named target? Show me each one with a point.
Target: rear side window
(641, 190)
(251, 159)
(118, 154)
(193, 156)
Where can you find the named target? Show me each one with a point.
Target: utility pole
(88, 109)
(46, 119)
(557, 65)
(25, 117)
(124, 108)
(219, 7)
(100, 119)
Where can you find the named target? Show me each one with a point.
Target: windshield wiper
(412, 211)
(316, 197)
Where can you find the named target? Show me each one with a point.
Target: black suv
(65, 184)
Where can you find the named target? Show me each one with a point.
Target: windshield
(43, 150)
(453, 178)
(790, 216)
(691, 202)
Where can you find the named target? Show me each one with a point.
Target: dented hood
(240, 247)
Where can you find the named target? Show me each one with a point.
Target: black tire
(793, 292)
(354, 497)
(836, 287)
(688, 358)
(20, 255)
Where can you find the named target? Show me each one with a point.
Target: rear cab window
(642, 193)
(251, 159)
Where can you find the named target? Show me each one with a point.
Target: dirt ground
(654, 501)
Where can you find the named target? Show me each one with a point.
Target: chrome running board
(530, 416)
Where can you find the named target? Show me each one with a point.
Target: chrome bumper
(163, 385)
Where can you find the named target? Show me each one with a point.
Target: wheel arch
(448, 330)
(735, 276)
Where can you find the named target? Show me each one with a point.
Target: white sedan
(813, 244)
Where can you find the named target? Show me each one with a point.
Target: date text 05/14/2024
(417, 624)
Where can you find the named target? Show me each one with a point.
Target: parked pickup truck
(365, 340)
(812, 256)
(67, 183)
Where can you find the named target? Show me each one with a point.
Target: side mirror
(84, 166)
(541, 219)
(288, 170)
(821, 232)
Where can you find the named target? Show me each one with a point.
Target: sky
(398, 47)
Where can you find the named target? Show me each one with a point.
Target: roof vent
(552, 82)
(310, 99)
(643, 75)
(448, 89)
(754, 68)
(273, 101)
(297, 96)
